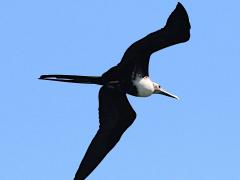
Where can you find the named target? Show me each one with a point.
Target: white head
(159, 90)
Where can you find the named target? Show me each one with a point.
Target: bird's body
(130, 76)
(144, 86)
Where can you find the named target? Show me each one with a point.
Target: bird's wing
(176, 30)
(114, 108)
(116, 115)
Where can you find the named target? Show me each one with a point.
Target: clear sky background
(45, 127)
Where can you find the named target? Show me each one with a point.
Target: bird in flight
(130, 76)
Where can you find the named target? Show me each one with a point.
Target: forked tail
(73, 79)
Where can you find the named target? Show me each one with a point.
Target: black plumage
(115, 111)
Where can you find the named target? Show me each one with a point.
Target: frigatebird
(130, 76)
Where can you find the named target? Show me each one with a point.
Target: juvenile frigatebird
(130, 76)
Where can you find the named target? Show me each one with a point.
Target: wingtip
(180, 14)
(179, 4)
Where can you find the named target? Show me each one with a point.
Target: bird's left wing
(116, 115)
(114, 108)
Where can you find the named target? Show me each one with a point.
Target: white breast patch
(144, 86)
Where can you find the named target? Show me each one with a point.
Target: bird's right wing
(176, 30)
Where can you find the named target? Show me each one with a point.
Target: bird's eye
(159, 86)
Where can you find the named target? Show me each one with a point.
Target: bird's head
(159, 90)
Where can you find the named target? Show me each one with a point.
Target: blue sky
(45, 127)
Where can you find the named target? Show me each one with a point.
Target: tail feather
(73, 79)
